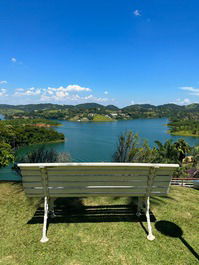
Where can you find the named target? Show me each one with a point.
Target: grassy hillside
(99, 117)
(90, 237)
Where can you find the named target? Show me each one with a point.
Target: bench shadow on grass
(172, 230)
(72, 210)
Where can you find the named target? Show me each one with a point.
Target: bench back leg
(139, 206)
(44, 237)
(51, 207)
(150, 235)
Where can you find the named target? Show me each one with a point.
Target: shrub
(42, 155)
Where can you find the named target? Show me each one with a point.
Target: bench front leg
(150, 235)
(44, 237)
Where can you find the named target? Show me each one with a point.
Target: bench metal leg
(44, 237)
(150, 235)
(51, 207)
(139, 206)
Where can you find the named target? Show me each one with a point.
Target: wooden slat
(34, 191)
(72, 190)
(104, 178)
(32, 184)
(81, 184)
(31, 178)
(96, 195)
(95, 178)
(96, 172)
(108, 169)
(31, 172)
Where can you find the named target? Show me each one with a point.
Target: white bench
(53, 180)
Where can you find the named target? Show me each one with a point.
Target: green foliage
(6, 154)
(129, 149)
(184, 127)
(22, 132)
(170, 152)
(41, 155)
(68, 112)
(195, 154)
(24, 121)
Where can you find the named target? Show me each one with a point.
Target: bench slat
(93, 189)
(99, 194)
(104, 178)
(94, 183)
(93, 178)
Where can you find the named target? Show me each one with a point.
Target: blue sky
(112, 52)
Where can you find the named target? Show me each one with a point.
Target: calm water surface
(96, 142)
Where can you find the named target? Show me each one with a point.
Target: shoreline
(182, 133)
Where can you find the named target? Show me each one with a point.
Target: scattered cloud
(19, 89)
(13, 60)
(60, 94)
(29, 92)
(193, 91)
(3, 92)
(180, 101)
(137, 13)
(3, 82)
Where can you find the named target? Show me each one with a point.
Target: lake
(96, 142)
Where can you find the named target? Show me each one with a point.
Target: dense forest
(89, 110)
(184, 127)
(20, 132)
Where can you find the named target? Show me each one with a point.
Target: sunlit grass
(105, 243)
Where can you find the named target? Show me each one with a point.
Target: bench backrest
(96, 179)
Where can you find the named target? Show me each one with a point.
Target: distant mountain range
(135, 107)
(98, 112)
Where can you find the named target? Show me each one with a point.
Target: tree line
(17, 133)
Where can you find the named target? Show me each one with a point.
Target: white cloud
(93, 98)
(3, 82)
(136, 13)
(180, 101)
(63, 96)
(194, 91)
(19, 89)
(29, 92)
(60, 94)
(13, 60)
(3, 92)
(70, 88)
(132, 102)
(77, 88)
(106, 92)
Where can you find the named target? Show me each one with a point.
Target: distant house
(114, 114)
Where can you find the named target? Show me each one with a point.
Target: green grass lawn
(99, 117)
(88, 241)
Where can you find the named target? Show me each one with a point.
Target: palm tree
(182, 149)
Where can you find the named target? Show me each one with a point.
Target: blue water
(96, 142)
